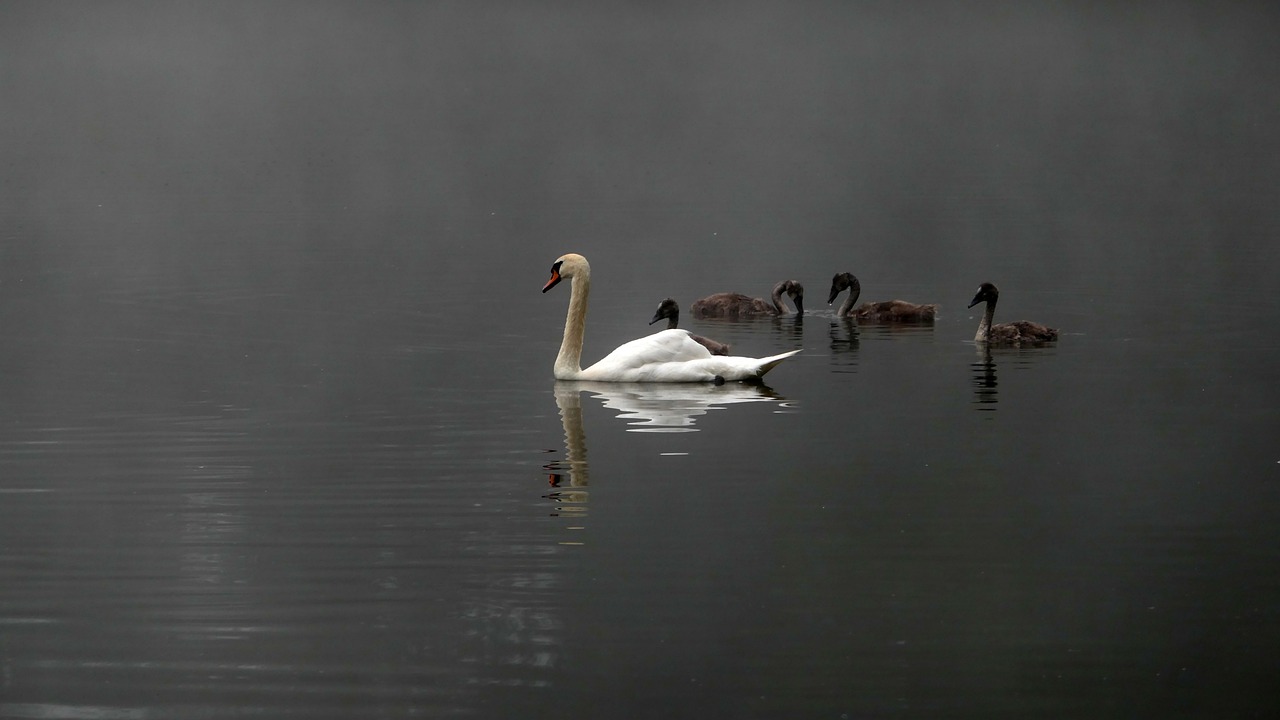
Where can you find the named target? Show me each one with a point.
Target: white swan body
(665, 356)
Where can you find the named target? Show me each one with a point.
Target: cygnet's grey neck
(792, 289)
(846, 308)
(777, 299)
(855, 290)
(984, 326)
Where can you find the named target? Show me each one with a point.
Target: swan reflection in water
(984, 379)
(1014, 357)
(842, 336)
(645, 407)
(664, 407)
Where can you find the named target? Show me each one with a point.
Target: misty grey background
(276, 394)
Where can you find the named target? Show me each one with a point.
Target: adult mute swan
(1013, 333)
(734, 305)
(671, 311)
(884, 312)
(665, 356)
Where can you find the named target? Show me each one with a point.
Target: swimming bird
(883, 312)
(671, 311)
(733, 305)
(665, 356)
(1013, 333)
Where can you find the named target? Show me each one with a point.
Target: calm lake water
(279, 436)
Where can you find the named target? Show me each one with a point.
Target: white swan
(665, 356)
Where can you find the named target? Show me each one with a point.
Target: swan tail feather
(767, 364)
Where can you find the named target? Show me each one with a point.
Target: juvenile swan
(885, 312)
(671, 311)
(665, 356)
(732, 305)
(1014, 333)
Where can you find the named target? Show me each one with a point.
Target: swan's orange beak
(555, 278)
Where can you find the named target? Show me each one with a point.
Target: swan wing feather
(674, 356)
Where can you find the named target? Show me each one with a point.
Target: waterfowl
(732, 305)
(882, 312)
(665, 356)
(1012, 333)
(671, 311)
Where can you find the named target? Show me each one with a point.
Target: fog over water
(925, 142)
(277, 374)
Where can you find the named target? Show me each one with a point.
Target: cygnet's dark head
(986, 293)
(841, 282)
(666, 309)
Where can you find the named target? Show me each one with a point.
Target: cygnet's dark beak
(976, 299)
(656, 317)
(799, 305)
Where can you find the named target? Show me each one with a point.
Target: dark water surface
(279, 437)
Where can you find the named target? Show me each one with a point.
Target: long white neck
(984, 327)
(569, 362)
(847, 306)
